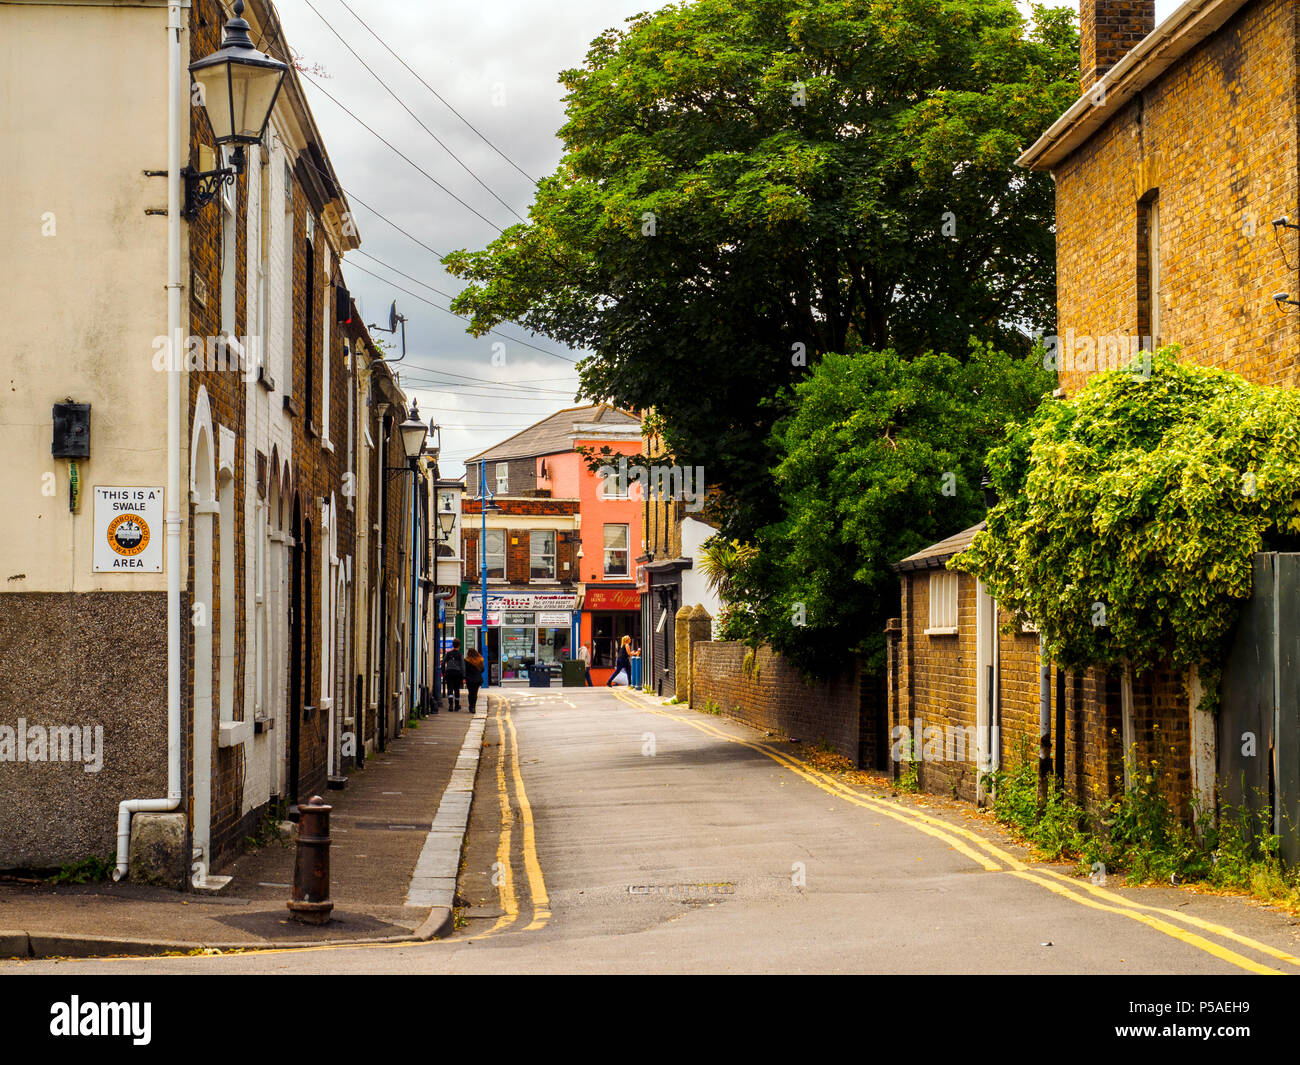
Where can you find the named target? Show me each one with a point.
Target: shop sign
(553, 620)
(520, 601)
(612, 599)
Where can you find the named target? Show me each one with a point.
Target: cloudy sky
(495, 62)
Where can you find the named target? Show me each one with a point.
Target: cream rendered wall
(87, 301)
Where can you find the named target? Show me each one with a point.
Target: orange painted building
(537, 470)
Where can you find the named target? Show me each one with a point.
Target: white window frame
(489, 554)
(1153, 268)
(533, 537)
(502, 473)
(609, 488)
(944, 603)
(229, 259)
(626, 550)
(327, 323)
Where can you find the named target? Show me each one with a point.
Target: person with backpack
(475, 670)
(453, 672)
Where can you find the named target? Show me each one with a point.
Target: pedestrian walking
(453, 672)
(475, 670)
(584, 656)
(623, 666)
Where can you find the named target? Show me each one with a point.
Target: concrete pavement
(396, 832)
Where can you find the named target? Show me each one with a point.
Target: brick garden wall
(774, 695)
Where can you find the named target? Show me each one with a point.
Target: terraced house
(203, 536)
(1176, 222)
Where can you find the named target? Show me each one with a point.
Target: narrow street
(613, 833)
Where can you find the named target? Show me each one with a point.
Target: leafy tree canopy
(748, 184)
(882, 457)
(1130, 512)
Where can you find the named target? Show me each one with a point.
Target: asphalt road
(613, 833)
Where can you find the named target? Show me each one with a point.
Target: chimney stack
(1108, 31)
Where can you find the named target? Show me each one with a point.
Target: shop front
(661, 597)
(525, 631)
(609, 614)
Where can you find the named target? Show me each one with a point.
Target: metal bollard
(311, 903)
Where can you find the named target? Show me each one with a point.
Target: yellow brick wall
(1216, 135)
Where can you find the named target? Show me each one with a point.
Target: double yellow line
(507, 770)
(994, 859)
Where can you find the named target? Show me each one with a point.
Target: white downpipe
(174, 481)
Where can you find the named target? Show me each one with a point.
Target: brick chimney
(1108, 30)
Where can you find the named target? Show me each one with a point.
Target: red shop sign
(612, 599)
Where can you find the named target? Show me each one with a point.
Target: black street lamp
(412, 433)
(445, 524)
(238, 86)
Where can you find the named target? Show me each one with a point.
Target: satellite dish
(392, 317)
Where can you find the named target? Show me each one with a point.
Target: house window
(495, 547)
(263, 173)
(327, 313)
(1149, 270)
(285, 376)
(943, 603)
(541, 556)
(228, 270)
(503, 478)
(308, 321)
(616, 551)
(612, 487)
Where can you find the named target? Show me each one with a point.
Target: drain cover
(683, 891)
(410, 826)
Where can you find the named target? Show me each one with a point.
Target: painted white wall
(83, 270)
(695, 589)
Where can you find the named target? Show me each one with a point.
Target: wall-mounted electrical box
(71, 431)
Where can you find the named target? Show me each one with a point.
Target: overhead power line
(437, 95)
(402, 103)
(464, 391)
(396, 151)
(422, 299)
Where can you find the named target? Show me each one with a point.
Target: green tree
(882, 457)
(748, 184)
(1130, 512)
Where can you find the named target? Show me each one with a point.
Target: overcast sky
(496, 62)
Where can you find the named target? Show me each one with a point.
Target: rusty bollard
(311, 903)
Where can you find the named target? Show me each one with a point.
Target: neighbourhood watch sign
(128, 530)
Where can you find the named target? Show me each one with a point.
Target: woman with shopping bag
(623, 666)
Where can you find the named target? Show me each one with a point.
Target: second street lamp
(412, 433)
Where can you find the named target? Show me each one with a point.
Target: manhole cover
(683, 891)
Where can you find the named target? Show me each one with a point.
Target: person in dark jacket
(622, 666)
(453, 672)
(474, 670)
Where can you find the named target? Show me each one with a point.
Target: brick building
(557, 545)
(963, 682)
(673, 533)
(230, 685)
(1176, 188)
